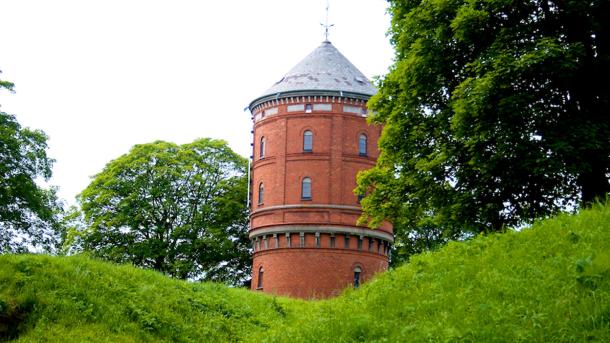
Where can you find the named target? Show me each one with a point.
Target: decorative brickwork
(303, 219)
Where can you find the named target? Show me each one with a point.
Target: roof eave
(310, 92)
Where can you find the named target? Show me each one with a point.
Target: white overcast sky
(101, 76)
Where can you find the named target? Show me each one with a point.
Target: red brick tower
(310, 140)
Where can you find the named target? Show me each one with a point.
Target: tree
(496, 112)
(28, 212)
(178, 209)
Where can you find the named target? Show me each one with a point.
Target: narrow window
(332, 240)
(308, 108)
(277, 240)
(288, 243)
(261, 193)
(262, 147)
(307, 141)
(360, 242)
(357, 272)
(362, 145)
(259, 285)
(346, 241)
(317, 239)
(306, 189)
(370, 243)
(265, 242)
(302, 239)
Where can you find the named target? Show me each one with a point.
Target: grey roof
(325, 71)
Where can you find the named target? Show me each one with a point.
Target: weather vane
(325, 25)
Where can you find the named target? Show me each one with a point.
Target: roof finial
(325, 25)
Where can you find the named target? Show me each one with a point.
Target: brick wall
(313, 273)
(332, 165)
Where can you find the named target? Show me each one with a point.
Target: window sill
(259, 288)
(305, 199)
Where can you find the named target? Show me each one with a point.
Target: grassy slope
(548, 283)
(77, 299)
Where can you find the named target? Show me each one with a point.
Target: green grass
(78, 299)
(547, 283)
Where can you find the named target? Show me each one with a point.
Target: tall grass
(76, 299)
(550, 282)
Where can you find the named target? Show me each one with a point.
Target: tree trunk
(593, 184)
(160, 263)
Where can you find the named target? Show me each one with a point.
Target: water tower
(311, 138)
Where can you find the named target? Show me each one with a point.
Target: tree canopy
(496, 112)
(28, 212)
(179, 209)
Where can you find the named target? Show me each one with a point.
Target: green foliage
(547, 283)
(179, 209)
(76, 299)
(495, 113)
(7, 84)
(28, 212)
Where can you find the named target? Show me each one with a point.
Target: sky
(99, 76)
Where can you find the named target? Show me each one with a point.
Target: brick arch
(307, 128)
(362, 132)
(357, 264)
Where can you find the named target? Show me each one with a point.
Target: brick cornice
(365, 232)
(337, 96)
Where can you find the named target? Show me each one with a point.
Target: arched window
(307, 141)
(261, 193)
(306, 189)
(362, 145)
(259, 285)
(357, 272)
(262, 147)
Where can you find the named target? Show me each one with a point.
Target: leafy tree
(179, 209)
(7, 84)
(28, 212)
(72, 224)
(495, 111)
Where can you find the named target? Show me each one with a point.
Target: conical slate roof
(325, 71)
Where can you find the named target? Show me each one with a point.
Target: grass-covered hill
(547, 283)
